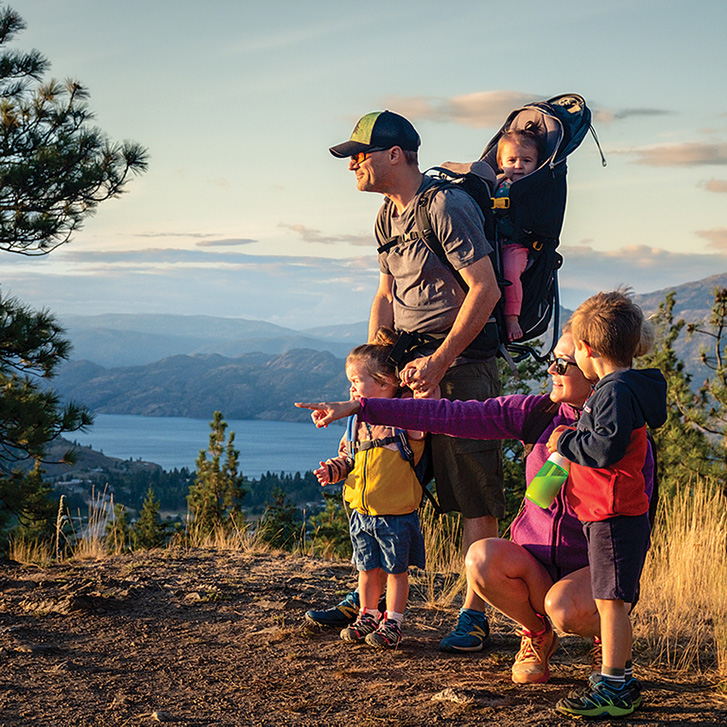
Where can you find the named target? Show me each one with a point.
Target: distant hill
(693, 304)
(252, 369)
(113, 340)
(252, 386)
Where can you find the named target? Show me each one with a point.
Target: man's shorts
(617, 550)
(468, 472)
(389, 542)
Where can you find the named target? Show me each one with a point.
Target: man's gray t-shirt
(427, 296)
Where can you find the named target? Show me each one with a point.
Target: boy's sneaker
(531, 662)
(364, 625)
(600, 699)
(387, 636)
(633, 685)
(338, 616)
(471, 633)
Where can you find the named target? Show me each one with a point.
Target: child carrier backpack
(422, 469)
(536, 208)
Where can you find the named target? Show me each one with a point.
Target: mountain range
(120, 339)
(190, 366)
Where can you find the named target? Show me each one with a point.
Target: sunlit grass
(682, 615)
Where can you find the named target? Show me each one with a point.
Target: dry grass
(231, 538)
(682, 615)
(30, 552)
(443, 579)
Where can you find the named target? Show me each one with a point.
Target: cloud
(225, 243)
(716, 185)
(287, 290)
(308, 234)
(606, 116)
(689, 154)
(491, 108)
(717, 238)
(477, 110)
(175, 235)
(283, 290)
(646, 269)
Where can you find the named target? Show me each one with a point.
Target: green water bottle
(547, 483)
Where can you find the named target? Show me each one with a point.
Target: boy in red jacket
(606, 484)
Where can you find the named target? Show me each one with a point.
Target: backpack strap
(423, 229)
(407, 453)
(536, 422)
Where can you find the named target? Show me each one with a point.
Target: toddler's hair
(375, 357)
(613, 326)
(521, 137)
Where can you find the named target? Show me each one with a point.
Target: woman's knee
(571, 615)
(484, 557)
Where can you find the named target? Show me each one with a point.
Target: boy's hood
(649, 389)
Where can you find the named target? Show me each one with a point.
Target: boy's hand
(326, 412)
(552, 444)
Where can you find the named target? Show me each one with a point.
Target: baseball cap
(379, 130)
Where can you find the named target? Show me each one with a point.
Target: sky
(244, 212)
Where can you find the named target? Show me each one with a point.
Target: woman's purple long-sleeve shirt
(553, 536)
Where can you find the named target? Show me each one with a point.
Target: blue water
(175, 442)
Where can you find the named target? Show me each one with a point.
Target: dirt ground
(216, 638)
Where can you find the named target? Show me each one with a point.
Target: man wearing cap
(443, 306)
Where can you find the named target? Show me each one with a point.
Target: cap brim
(349, 148)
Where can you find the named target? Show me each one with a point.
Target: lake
(175, 442)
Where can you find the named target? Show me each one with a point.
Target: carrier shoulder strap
(423, 229)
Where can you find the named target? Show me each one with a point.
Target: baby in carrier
(518, 154)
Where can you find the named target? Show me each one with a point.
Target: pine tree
(282, 523)
(329, 536)
(215, 497)
(55, 168)
(32, 345)
(149, 531)
(682, 447)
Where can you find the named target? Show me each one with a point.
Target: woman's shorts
(389, 542)
(617, 550)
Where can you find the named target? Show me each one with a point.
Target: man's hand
(422, 376)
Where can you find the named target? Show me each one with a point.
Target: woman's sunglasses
(560, 365)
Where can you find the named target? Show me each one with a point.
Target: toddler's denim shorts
(389, 542)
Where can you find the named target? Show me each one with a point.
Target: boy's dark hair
(612, 325)
(522, 137)
(375, 357)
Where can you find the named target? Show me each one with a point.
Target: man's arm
(382, 309)
(424, 374)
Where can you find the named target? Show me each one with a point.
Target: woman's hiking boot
(387, 636)
(600, 699)
(365, 624)
(531, 662)
(471, 633)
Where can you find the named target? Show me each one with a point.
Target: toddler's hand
(323, 474)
